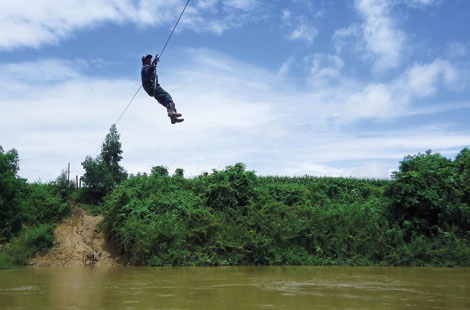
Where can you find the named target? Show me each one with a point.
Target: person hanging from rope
(153, 88)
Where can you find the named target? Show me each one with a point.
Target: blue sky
(293, 87)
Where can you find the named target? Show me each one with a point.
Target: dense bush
(28, 212)
(11, 195)
(234, 217)
(31, 240)
(430, 192)
(45, 204)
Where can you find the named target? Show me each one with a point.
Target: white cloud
(219, 16)
(299, 27)
(276, 122)
(44, 22)
(383, 39)
(33, 23)
(379, 38)
(458, 50)
(423, 80)
(245, 5)
(245, 114)
(304, 32)
(371, 170)
(325, 68)
(286, 15)
(422, 3)
(286, 66)
(347, 38)
(374, 101)
(45, 71)
(393, 99)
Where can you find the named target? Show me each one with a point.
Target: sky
(342, 88)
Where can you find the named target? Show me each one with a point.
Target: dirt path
(79, 241)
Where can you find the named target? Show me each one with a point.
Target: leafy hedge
(234, 217)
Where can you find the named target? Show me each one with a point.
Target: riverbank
(234, 217)
(78, 241)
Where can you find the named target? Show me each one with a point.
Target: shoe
(175, 120)
(174, 114)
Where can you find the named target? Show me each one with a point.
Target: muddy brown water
(235, 288)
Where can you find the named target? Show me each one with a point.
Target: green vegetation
(32, 240)
(29, 212)
(11, 192)
(234, 217)
(103, 173)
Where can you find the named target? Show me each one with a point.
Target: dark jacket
(148, 78)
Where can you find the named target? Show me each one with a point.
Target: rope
(163, 49)
(133, 97)
(176, 24)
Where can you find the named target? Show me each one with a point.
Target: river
(212, 288)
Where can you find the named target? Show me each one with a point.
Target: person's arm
(154, 66)
(155, 60)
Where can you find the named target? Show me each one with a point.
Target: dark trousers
(162, 96)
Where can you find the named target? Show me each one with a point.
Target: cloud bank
(353, 109)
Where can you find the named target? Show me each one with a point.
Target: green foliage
(45, 203)
(160, 171)
(43, 206)
(430, 192)
(28, 212)
(111, 150)
(98, 180)
(104, 173)
(63, 186)
(26, 245)
(233, 188)
(460, 214)
(462, 167)
(233, 217)
(11, 195)
(145, 215)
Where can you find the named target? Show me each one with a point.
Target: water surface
(230, 288)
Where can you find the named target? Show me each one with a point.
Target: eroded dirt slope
(79, 241)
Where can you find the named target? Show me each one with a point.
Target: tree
(111, 154)
(462, 165)
(104, 173)
(11, 192)
(424, 190)
(461, 215)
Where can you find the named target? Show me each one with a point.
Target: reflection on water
(235, 288)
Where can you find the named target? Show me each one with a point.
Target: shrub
(31, 241)
(423, 190)
(45, 203)
(11, 195)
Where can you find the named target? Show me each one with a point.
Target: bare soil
(79, 241)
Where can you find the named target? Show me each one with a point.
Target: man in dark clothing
(153, 89)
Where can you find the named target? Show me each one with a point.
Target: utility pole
(68, 174)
